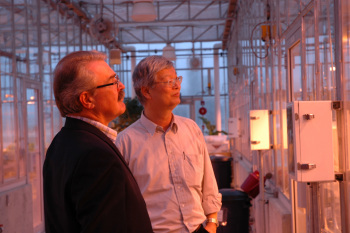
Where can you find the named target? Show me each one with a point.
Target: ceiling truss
(176, 21)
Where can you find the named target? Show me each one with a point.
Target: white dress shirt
(111, 133)
(173, 171)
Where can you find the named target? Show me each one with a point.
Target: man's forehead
(166, 73)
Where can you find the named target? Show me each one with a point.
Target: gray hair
(145, 73)
(71, 78)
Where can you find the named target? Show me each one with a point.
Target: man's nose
(177, 84)
(121, 86)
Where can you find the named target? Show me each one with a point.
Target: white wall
(16, 214)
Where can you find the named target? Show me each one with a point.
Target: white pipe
(217, 87)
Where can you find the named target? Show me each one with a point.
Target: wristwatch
(213, 220)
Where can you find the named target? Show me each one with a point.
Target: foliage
(211, 128)
(132, 113)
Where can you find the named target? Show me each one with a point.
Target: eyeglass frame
(110, 84)
(173, 81)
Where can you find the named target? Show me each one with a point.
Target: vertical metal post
(338, 50)
(313, 208)
(303, 61)
(344, 206)
(52, 130)
(340, 95)
(262, 189)
(317, 52)
(14, 82)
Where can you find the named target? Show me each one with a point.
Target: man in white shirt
(167, 155)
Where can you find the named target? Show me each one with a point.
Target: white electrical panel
(310, 142)
(259, 130)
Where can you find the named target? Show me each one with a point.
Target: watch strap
(213, 220)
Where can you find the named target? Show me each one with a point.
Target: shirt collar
(111, 133)
(153, 128)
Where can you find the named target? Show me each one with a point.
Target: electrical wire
(251, 41)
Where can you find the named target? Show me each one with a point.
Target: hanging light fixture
(115, 57)
(143, 11)
(169, 52)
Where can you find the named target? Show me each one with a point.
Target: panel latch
(309, 116)
(306, 166)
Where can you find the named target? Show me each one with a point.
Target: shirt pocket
(193, 168)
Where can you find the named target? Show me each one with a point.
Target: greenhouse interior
(266, 81)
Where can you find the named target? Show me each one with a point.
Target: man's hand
(211, 227)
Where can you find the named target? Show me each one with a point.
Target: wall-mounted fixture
(266, 33)
(259, 130)
(143, 11)
(310, 141)
(169, 52)
(115, 57)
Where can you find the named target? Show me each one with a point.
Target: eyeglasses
(171, 82)
(116, 77)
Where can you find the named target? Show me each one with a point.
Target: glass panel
(34, 160)
(182, 62)
(48, 105)
(295, 71)
(300, 202)
(283, 171)
(21, 135)
(182, 110)
(280, 98)
(289, 11)
(191, 83)
(290, 139)
(330, 207)
(309, 24)
(9, 151)
(326, 41)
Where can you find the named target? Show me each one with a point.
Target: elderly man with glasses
(88, 187)
(168, 156)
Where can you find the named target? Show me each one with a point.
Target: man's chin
(178, 101)
(175, 103)
(122, 106)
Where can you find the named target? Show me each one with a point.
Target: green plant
(132, 113)
(211, 128)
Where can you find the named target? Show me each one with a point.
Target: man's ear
(145, 92)
(87, 100)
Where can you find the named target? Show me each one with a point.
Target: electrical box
(310, 142)
(233, 131)
(259, 130)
